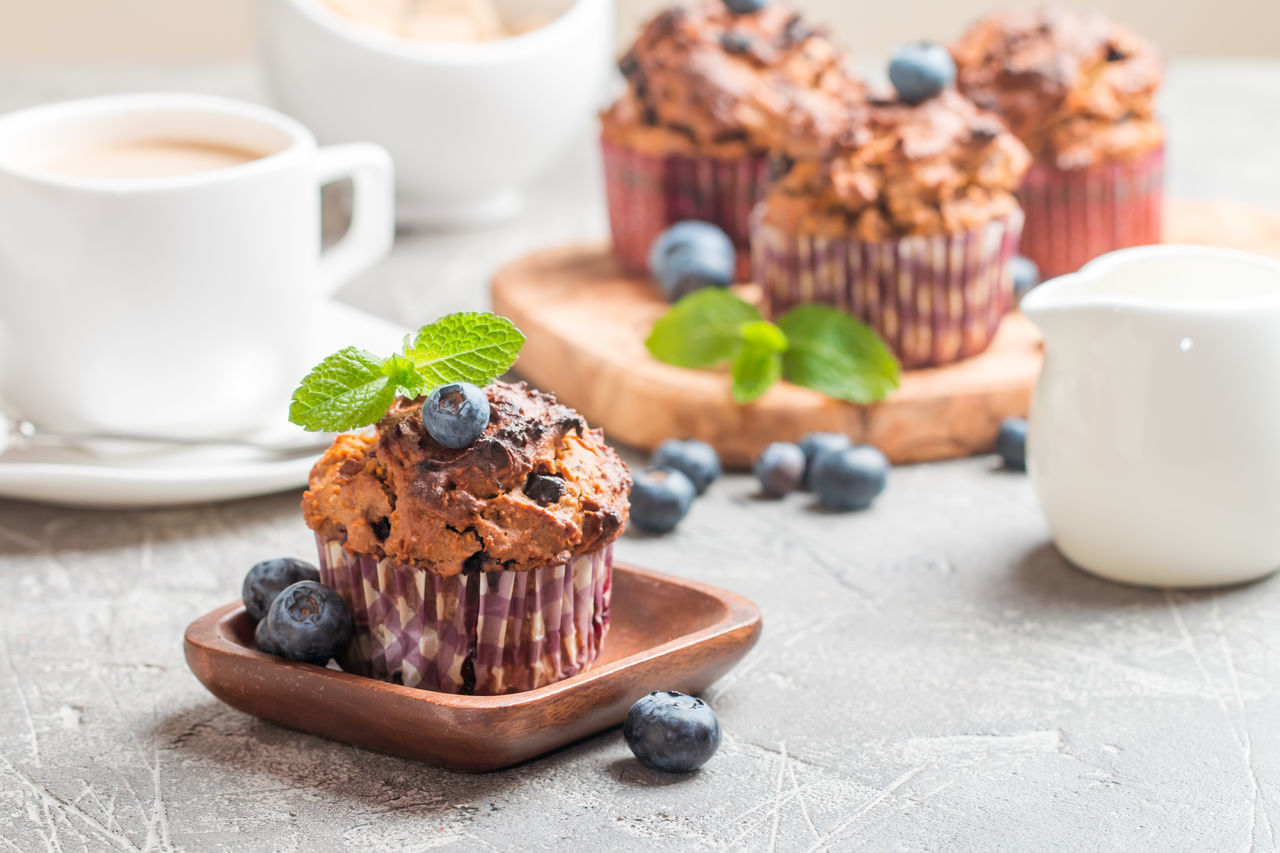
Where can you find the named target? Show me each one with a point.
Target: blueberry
(309, 622)
(660, 499)
(1011, 444)
(697, 459)
(1026, 275)
(263, 640)
(672, 732)
(851, 478)
(921, 70)
(817, 444)
(692, 255)
(745, 7)
(267, 578)
(456, 414)
(780, 469)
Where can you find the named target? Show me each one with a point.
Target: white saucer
(82, 478)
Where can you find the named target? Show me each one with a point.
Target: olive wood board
(586, 322)
(665, 633)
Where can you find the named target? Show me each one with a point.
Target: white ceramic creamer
(1154, 442)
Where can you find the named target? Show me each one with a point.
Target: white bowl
(468, 124)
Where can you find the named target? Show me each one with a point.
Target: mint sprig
(814, 345)
(353, 388)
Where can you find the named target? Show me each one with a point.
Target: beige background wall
(202, 29)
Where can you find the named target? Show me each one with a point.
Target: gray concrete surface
(932, 675)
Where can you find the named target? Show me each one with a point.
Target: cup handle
(373, 226)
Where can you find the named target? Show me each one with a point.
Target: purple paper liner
(647, 193)
(934, 299)
(1074, 215)
(481, 633)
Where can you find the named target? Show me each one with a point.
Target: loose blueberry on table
(689, 256)
(817, 444)
(780, 469)
(745, 7)
(672, 732)
(266, 580)
(696, 459)
(308, 622)
(850, 479)
(660, 499)
(920, 71)
(456, 414)
(1011, 444)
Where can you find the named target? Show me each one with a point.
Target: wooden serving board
(586, 323)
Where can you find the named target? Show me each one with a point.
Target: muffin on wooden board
(710, 94)
(1079, 91)
(909, 224)
(482, 570)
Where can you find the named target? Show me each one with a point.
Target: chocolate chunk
(381, 528)
(736, 43)
(543, 488)
(796, 31)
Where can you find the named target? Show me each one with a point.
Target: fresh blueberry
(672, 732)
(745, 7)
(309, 622)
(817, 444)
(697, 459)
(780, 469)
(1011, 444)
(851, 478)
(921, 70)
(692, 255)
(266, 579)
(456, 414)
(263, 640)
(1026, 275)
(660, 499)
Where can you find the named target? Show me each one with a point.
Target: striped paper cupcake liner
(648, 192)
(1075, 215)
(934, 299)
(481, 633)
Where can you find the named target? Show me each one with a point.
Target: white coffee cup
(184, 304)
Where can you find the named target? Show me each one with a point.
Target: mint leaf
(764, 335)
(834, 354)
(754, 370)
(349, 389)
(702, 329)
(473, 348)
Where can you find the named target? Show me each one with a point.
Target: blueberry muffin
(1079, 91)
(480, 570)
(711, 94)
(909, 223)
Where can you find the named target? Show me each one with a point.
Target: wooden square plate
(666, 633)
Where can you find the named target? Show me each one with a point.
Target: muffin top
(708, 81)
(537, 489)
(1077, 88)
(940, 166)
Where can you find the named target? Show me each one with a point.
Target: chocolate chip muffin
(909, 223)
(482, 570)
(710, 95)
(1079, 91)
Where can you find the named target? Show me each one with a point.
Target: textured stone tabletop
(932, 675)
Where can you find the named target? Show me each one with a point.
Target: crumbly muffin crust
(536, 489)
(1077, 88)
(937, 167)
(702, 80)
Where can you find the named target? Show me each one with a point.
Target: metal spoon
(22, 435)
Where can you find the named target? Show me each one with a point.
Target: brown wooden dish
(666, 633)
